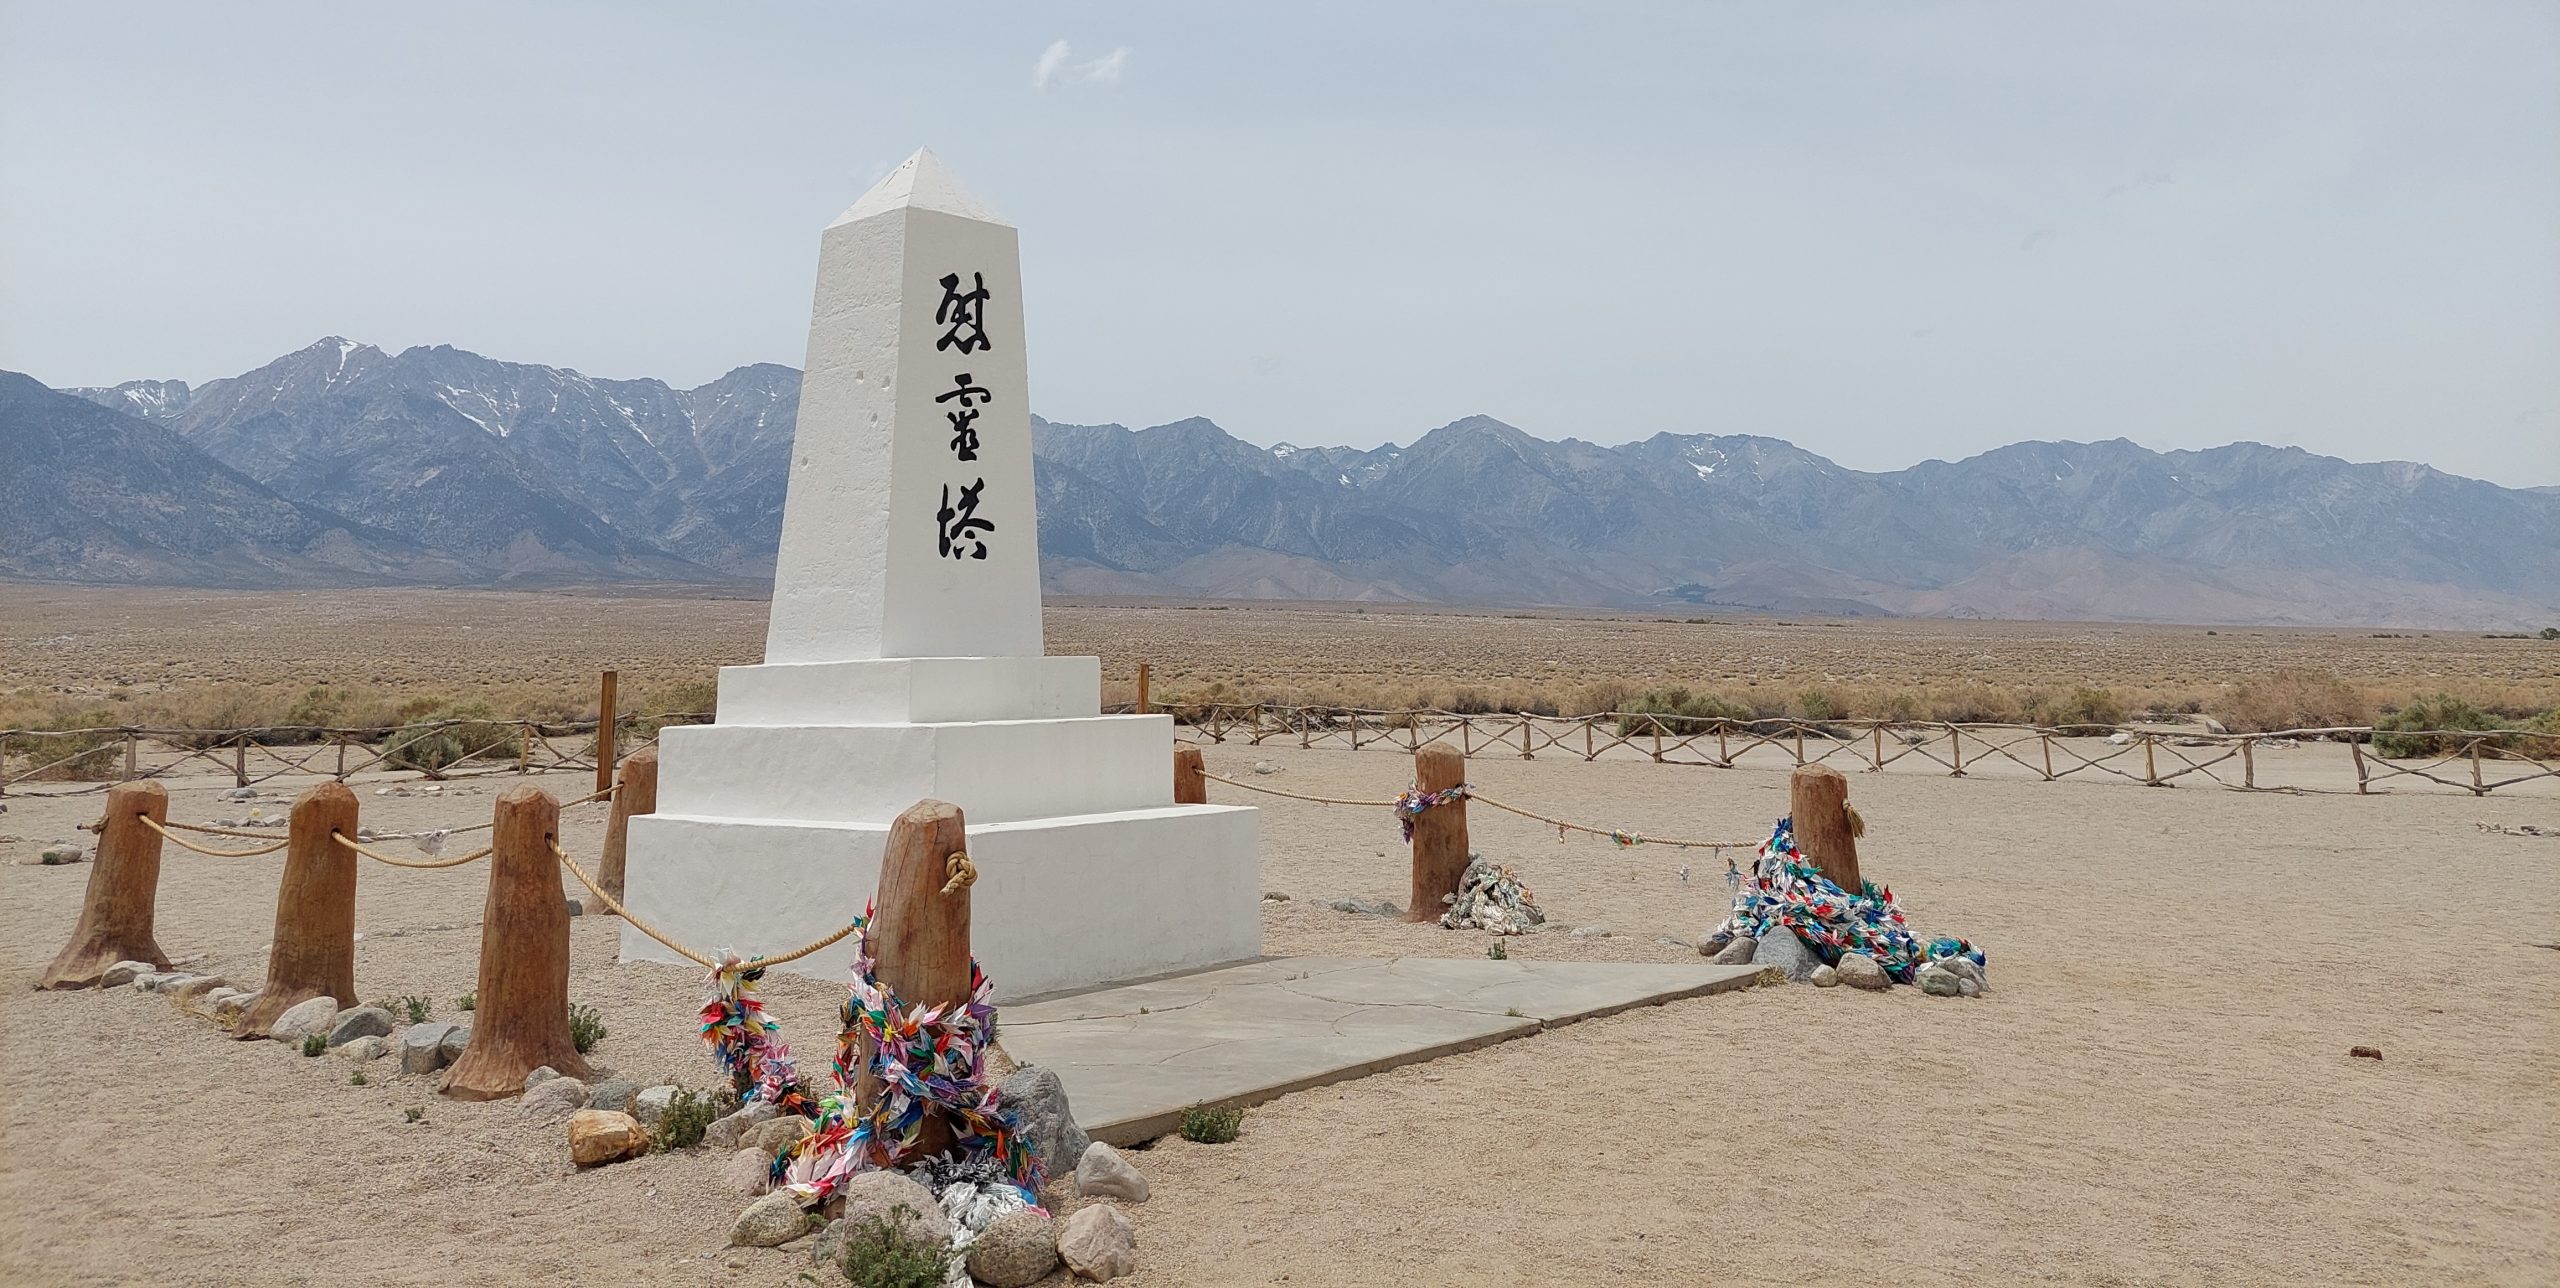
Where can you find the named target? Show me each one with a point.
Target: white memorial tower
(903, 660)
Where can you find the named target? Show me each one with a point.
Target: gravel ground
(2157, 1089)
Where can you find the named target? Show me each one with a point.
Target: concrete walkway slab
(1134, 1056)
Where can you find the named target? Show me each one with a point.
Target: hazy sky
(1885, 231)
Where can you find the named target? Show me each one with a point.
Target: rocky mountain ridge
(460, 468)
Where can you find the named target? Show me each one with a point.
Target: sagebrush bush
(2426, 727)
(430, 743)
(2294, 698)
(1677, 711)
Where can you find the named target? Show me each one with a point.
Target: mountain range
(343, 464)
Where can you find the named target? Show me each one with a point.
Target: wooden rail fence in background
(2479, 761)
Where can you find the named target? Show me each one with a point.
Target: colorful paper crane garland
(1784, 894)
(920, 1059)
(1412, 801)
(746, 1041)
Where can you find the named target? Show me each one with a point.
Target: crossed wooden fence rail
(2480, 762)
(256, 755)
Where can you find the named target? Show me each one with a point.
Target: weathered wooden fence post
(521, 1022)
(2150, 764)
(132, 754)
(1190, 777)
(124, 891)
(2248, 763)
(1145, 674)
(2356, 749)
(1955, 751)
(315, 935)
(605, 707)
(240, 761)
(637, 793)
(2476, 788)
(1818, 801)
(1439, 833)
(920, 935)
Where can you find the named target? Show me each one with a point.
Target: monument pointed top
(921, 182)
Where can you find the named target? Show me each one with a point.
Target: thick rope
(963, 873)
(223, 831)
(1274, 791)
(380, 857)
(1625, 839)
(614, 906)
(154, 825)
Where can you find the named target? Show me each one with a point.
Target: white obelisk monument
(903, 660)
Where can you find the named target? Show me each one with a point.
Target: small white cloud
(1052, 61)
(1057, 68)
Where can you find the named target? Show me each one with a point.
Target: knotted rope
(699, 958)
(380, 857)
(962, 873)
(166, 834)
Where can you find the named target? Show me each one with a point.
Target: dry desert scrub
(76, 657)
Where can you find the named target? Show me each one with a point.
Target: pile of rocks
(998, 1240)
(1491, 898)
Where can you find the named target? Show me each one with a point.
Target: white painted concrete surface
(1060, 902)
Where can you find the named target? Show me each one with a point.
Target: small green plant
(417, 1114)
(2551, 632)
(586, 1027)
(1512, 1011)
(468, 1002)
(414, 1007)
(314, 1044)
(1498, 952)
(688, 1113)
(1206, 1126)
(356, 1079)
(882, 1252)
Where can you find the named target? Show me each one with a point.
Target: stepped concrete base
(1060, 903)
(1134, 1056)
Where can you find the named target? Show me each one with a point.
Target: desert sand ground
(2156, 1091)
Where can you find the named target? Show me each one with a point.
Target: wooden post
(132, 745)
(524, 747)
(2045, 741)
(1190, 777)
(2150, 765)
(1589, 750)
(1955, 752)
(1657, 738)
(2476, 788)
(2356, 749)
(522, 1020)
(1799, 742)
(605, 722)
(1818, 801)
(1439, 834)
(920, 934)
(2248, 764)
(1524, 736)
(1724, 754)
(315, 936)
(341, 775)
(1144, 675)
(638, 794)
(124, 888)
(1878, 731)
(240, 761)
